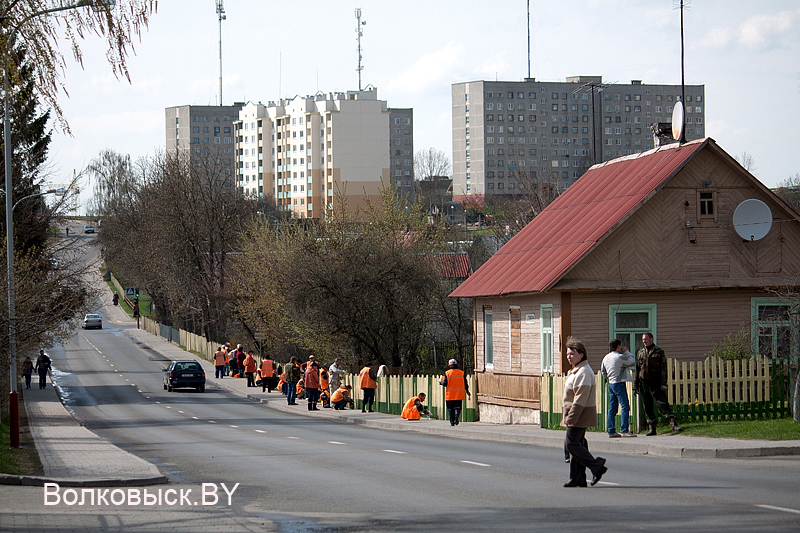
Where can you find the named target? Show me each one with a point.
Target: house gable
(666, 244)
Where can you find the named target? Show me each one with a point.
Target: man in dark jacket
(293, 375)
(651, 383)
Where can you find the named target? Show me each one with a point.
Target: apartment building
(308, 150)
(505, 131)
(202, 129)
(401, 149)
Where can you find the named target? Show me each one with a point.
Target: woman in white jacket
(580, 412)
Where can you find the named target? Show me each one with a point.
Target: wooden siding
(688, 322)
(653, 249)
(508, 389)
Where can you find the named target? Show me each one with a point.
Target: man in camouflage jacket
(651, 383)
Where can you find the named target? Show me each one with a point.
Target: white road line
(260, 431)
(148, 397)
(112, 365)
(335, 442)
(234, 426)
(606, 483)
(181, 412)
(140, 391)
(168, 407)
(211, 422)
(195, 418)
(121, 376)
(292, 437)
(784, 509)
(393, 451)
(158, 402)
(474, 463)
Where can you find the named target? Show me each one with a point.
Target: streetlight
(10, 205)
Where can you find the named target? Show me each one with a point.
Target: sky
(747, 54)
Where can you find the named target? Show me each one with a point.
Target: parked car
(184, 374)
(53, 263)
(88, 228)
(92, 321)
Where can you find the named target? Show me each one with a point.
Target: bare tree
(789, 191)
(39, 33)
(430, 163)
(746, 160)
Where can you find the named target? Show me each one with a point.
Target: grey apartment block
(200, 129)
(506, 132)
(401, 150)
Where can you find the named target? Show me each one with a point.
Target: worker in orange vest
(455, 384)
(368, 376)
(341, 397)
(413, 409)
(219, 362)
(250, 369)
(267, 371)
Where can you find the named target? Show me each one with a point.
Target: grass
(25, 460)
(777, 429)
(144, 302)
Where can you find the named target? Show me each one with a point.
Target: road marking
(181, 412)
(393, 451)
(158, 402)
(335, 442)
(234, 426)
(784, 509)
(211, 422)
(606, 483)
(474, 463)
(133, 385)
(260, 431)
(195, 418)
(121, 376)
(292, 437)
(112, 365)
(148, 397)
(141, 391)
(168, 407)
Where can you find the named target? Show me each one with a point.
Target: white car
(92, 321)
(88, 228)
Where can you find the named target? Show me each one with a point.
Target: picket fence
(710, 390)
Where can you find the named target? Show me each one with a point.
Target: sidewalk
(663, 445)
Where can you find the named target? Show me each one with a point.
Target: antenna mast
(359, 33)
(529, 39)
(221, 15)
(683, 79)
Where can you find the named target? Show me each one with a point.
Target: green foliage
(777, 429)
(734, 346)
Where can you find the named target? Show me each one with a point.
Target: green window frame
(546, 334)
(627, 322)
(488, 341)
(774, 327)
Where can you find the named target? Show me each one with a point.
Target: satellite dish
(677, 121)
(752, 220)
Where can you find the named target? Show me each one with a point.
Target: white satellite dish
(752, 220)
(677, 121)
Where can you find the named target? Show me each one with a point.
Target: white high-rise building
(308, 150)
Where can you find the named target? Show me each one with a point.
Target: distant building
(401, 150)
(306, 150)
(202, 129)
(504, 131)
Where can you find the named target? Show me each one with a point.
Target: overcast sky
(746, 53)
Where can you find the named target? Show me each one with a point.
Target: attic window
(706, 209)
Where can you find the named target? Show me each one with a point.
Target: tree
(746, 160)
(431, 163)
(38, 35)
(789, 191)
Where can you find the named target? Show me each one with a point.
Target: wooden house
(643, 243)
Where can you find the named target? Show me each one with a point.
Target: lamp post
(10, 205)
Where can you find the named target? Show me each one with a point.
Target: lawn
(22, 461)
(777, 429)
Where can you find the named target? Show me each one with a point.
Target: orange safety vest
(219, 358)
(340, 394)
(323, 379)
(366, 381)
(410, 411)
(249, 364)
(267, 368)
(299, 388)
(455, 389)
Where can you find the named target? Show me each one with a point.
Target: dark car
(184, 374)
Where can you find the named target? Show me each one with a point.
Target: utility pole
(221, 16)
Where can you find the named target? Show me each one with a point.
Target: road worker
(455, 384)
(368, 385)
(249, 365)
(413, 408)
(219, 362)
(341, 397)
(267, 371)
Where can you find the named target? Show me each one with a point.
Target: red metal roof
(453, 264)
(553, 242)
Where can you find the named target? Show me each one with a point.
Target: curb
(39, 481)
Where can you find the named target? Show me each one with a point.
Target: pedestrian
(267, 371)
(227, 349)
(233, 363)
(336, 374)
(219, 362)
(651, 383)
(27, 371)
(413, 409)
(324, 378)
(578, 413)
(67, 231)
(341, 397)
(292, 377)
(311, 380)
(368, 385)
(300, 390)
(250, 369)
(455, 391)
(616, 369)
(43, 364)
(240, 357)
(282, 384)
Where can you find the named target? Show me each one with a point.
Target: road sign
(130, 291)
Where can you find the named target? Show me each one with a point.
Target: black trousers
(653, 396)
(454, 410)
(369, 398)
(576, 446)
